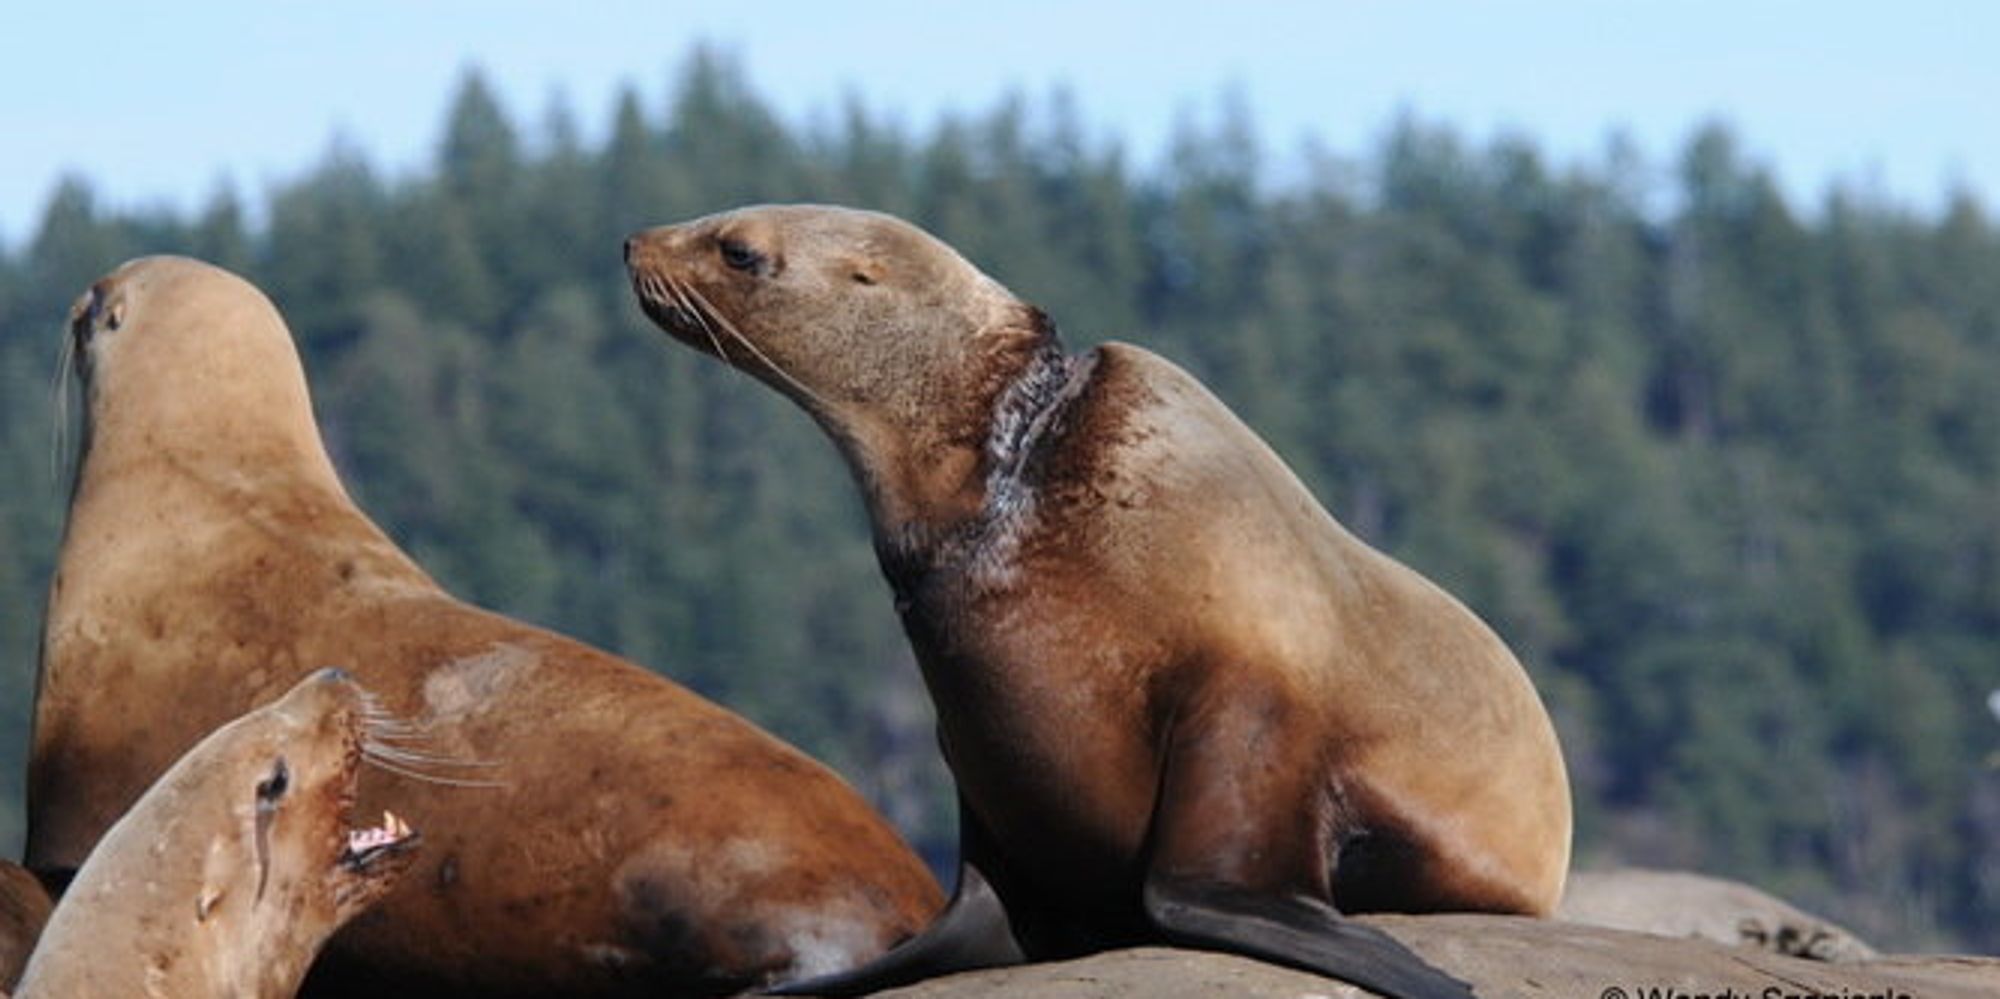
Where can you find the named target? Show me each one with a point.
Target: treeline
(1726, 473)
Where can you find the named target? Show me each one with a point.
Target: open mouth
(367, 845)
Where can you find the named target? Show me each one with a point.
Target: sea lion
(638, 839)
(1180, 701)
(234, 868)
(24, 907)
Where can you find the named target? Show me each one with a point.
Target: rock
(1678, 904)
(24, 907)
(1502, 957)
(1139, 973)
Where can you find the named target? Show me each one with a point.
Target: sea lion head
(179, 358)
(896, 344)
(287, 776)
(238, 863)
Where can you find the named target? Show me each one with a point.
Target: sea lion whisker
(650, 289)
(736, 334)
(59, 441)
(415, 774)
(389, 738)
(661, 289)
(700, 318)
(392, 734)
(380, 723)
(667, 292)
(413, 756)
(382, 719)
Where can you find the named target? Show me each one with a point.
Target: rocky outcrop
(1680, 904)
(1502, 957)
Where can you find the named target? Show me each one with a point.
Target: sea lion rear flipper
(1294, 931)
(972, 932)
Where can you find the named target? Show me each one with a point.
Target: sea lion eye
(739, 256)
(271, 788)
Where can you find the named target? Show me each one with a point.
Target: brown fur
(218, 882)
(1156, 659)
(644, 839)
(24, 907)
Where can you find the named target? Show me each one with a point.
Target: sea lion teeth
(224, 910)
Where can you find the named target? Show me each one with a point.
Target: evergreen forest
(1724, 469)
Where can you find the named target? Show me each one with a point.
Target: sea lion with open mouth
(236, 866)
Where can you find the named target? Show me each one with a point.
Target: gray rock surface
(1502, 957)
(1680, 904)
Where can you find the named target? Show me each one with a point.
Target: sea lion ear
(866, 270)
(210, 894)
(216, 870)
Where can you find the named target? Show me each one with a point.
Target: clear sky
(155, 102)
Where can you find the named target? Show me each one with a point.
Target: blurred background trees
(1724, 470)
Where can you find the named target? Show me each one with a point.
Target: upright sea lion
(24, 907)
(231, 872)
(642, 840)
(1181, 702)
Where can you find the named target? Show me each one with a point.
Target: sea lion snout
(653, 264)
(650, 249)
(641, 245)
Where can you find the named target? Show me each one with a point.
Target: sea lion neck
(997, 494)
(1025, 411)
(220, 447)
(230, 416)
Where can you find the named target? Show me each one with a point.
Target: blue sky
(157, 102)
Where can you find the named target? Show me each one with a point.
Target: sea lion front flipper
(1241, 859)
(972, 932)
(1299, 932)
